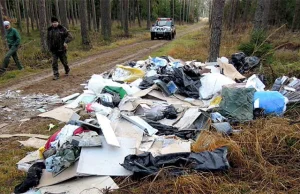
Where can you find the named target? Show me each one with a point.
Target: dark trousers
(62, 56)
(11, 53)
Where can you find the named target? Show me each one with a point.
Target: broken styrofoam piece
(67, 98)
(61, 114)
(254, 82)
(33, 142)
(84, 185)
(107, 130)
(188, 119)
(106, 160)
(140, 123)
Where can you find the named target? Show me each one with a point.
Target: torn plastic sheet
(127, 74)
(145, 164)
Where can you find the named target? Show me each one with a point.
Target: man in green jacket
(13, 39)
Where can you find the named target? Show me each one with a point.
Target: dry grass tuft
(265, 158)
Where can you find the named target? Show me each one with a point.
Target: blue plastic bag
(272, 102)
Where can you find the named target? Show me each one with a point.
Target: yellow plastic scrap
(216, 101)
(41, 151)
(135, 73)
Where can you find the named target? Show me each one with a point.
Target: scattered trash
(50, 126)
(144, 116)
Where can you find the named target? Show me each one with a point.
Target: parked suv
(163, 28)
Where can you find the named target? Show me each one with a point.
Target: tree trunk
(149, 14)
(43, 27)
(246, 11)
(138, 13)
(105, 19)
(121, 13)
(98, 16)
(180, 12)
(216, 30)
(125, 12)
(72, 12)
(261, 15)
(89, 15)
(18, 11)
(63, 13)
(68, 11)
(4, 7)
(210, 12)
(83, 23)
(57, 10)
(266, 14)
(2, 28)
(27, 15)
(31, 7)
(296, 18)
(94, 15)
(48, 17)
(36, 13)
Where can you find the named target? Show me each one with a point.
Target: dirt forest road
(81, 70)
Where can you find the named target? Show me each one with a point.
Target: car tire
(152, 36)
(170, 37)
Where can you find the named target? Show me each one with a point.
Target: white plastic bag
(212, 83)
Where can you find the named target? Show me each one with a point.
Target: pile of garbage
(144, 116)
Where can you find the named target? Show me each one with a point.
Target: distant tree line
(96, 15)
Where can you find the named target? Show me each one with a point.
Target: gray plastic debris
(145, 164)
(223, 127)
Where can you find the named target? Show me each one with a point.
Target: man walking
(58, 37)
(13, 39)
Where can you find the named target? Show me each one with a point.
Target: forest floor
(264, 158)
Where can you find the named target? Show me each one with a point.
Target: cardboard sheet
(107, 130)
(188, 119)
(33, 142)
(24, 135)
(47, 178)
(31, 157)
(106, 160)
(124, 128)
(230, 71)
(61, 114)
(86, 185)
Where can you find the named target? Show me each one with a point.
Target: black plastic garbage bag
(32, 179)
(145, 164)
(170, 112)
(251, 62)
(147, 82)
(238, 60)
(169, 130)
(186, 85)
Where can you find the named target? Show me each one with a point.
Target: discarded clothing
(63, 158)
(32, 179)
(237, 104)
(145, 164)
